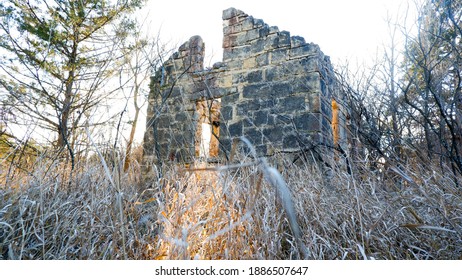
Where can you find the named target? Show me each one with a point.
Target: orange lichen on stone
(335, 123)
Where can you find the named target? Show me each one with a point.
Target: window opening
(208, 128)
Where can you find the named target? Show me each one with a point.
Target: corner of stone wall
(171, 118)
(280, 86)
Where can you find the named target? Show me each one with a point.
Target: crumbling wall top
(271, 87)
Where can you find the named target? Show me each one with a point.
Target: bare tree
(432, 85)
(409, 107)
(142, 54)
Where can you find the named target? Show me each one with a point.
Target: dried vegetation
(232, 212)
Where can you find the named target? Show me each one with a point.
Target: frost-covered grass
(234, 211)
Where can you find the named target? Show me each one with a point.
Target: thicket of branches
(408, 107)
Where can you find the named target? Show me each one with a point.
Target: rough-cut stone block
(178, 64)
(227, 91)
(254, 77)
(254, 90)
(274, 74)
(227, 80)
(232, 21)
(314, 103)
(227, 54)
(164, 121)
(292, 104)
(230, 99)
(239, 77)
(228, 41)
(310, 64)
(258, 46)
(232, 12)
(227, 30)
(242, 52)
(249, 63)
(181, 117)
(254, 135)
(260, 118)
(247, 23)
(234, 65)
(273, 29)
(282, 119)
(231, 29)
(227, 112)
(261, 150)
(267, 91)
(304, 85)
(326, 108)
(290, 142)
(188, 131)
(173, 92)
(252, 34)
(247, 121)
(266, 103)
(244, 108)
(262, 60)
(234, 40)
(308, 122)
(323, 86)
(250, 77)
(293, 68)
(168, 69)
(326, 126)
(301, 51)
(278, 56)
(304, 50)
(297, 41)
(309, 83)
(264, 31)
(271, 42)
(235, 129)
(162, 135)
(236, 53)
(274, 134)
(281, 89)
(259, 23)
(225, 146)
(283, 39)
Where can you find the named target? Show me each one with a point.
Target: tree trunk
(128, 151)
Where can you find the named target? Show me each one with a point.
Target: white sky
(344, 29)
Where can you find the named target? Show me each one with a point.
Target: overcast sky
(344, 29)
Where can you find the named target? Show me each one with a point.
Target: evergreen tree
(57, 57)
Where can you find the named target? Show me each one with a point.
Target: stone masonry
(273, 88)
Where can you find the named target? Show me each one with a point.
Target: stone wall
(273, 88)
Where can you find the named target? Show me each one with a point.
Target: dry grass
(233, 213)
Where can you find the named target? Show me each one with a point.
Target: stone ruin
(273, 88)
